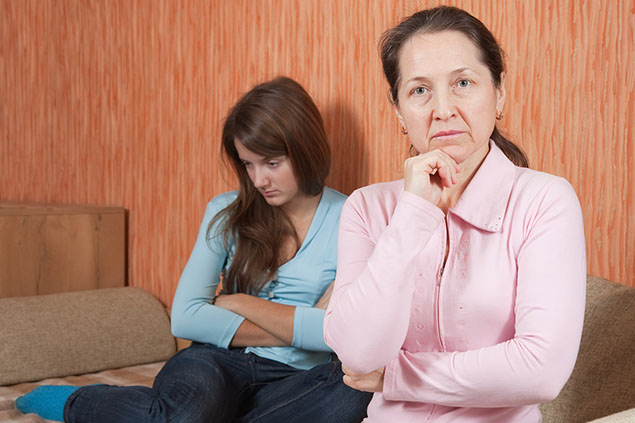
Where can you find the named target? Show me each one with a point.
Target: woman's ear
(401, 120)
(395, 107)
(500, 95)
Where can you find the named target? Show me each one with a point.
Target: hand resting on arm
(266, 323)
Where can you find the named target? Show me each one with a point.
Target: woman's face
(447, 99)
(273, 177)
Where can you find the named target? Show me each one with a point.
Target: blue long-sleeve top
(300, 282)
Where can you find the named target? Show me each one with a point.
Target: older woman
(460, 289)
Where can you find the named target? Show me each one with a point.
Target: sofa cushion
(603, 379)
(80, 332)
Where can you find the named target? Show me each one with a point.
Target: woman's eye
(419, 91)
(272, 164)
(464, 83)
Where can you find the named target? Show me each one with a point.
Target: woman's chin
(457, 152)
(465, 152)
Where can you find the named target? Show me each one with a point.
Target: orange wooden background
(121, 103)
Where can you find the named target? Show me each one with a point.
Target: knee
(195, 368)
(193, 387)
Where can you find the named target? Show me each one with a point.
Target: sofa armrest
(627, 416)
(602, 380)
(80, 332)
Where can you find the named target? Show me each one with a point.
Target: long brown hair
(274, 118)
(444, 18)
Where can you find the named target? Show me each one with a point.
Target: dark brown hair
(447, 18)
(274, 118)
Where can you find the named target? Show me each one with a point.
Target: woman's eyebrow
(461, 70)
(417, 79)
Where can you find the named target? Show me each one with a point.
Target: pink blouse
(489, 335)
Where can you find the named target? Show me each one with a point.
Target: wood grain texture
(46, 250)
(121, 103)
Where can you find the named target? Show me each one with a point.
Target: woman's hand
(323, 302)
(275, 318)
(229, 302)
(428, 174)
(369, 382)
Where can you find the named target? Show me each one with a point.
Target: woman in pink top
(460, 289)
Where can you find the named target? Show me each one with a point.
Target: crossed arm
(266, 324)
(529, 368)
(238, 319)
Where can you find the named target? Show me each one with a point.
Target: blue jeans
(204, 383)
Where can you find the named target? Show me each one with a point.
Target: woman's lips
(447, 134)
(268, 193)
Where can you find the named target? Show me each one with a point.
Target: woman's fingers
(370, 382)
(447, 173)
(428, 174)
(448, 169)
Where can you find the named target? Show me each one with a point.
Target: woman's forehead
(427, 54)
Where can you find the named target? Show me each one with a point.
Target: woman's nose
(259, 178)
(444, 106)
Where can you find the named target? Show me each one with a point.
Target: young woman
(460, 289)
(258, 353)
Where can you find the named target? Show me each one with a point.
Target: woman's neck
(300, 212)
(301, 209)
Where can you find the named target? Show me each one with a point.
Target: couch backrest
(603, 379)
(80, 332)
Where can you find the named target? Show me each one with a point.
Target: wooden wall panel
(121, 103)
(47, 249)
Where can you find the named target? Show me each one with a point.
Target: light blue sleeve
(308, 329)
(193, 316)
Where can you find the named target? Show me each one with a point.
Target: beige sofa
(603, 379)
(118, 336)
(124, 335)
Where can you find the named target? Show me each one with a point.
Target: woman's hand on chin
(428, 174)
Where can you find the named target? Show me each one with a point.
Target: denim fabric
(204, 383)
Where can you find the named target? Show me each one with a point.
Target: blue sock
(47, 401)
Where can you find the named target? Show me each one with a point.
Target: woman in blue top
(258, 353)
